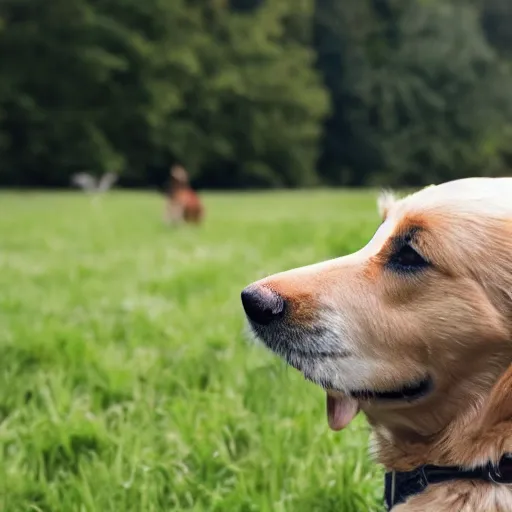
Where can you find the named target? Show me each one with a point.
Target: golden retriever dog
(183, 204)
(415, 331)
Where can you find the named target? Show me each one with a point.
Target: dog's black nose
(262, 305)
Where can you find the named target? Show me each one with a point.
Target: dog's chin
(330, 368)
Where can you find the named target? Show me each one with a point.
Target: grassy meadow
(127, 380)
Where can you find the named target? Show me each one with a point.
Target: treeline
(255, 93)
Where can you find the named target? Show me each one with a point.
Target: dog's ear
(385, 201)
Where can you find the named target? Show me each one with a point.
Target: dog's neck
(177, 186)
(481, 432)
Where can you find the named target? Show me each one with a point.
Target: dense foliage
(255, 93)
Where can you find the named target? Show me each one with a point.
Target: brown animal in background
(183, 204)
(415, 330)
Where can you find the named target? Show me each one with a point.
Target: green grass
(126, 380)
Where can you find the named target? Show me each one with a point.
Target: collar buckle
(501, 473)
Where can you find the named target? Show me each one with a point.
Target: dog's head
(417, 321)
(179, 175)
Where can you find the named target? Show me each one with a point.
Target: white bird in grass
(91, 184)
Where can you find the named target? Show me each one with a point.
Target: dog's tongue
(341, 410)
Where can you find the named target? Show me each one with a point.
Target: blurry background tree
(255, 93)
(419, 94)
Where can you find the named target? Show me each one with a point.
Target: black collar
(401, 485)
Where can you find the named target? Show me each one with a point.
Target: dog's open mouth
(342, 407)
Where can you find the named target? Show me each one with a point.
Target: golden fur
(452, 321)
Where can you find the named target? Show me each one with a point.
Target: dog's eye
(406, 258)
